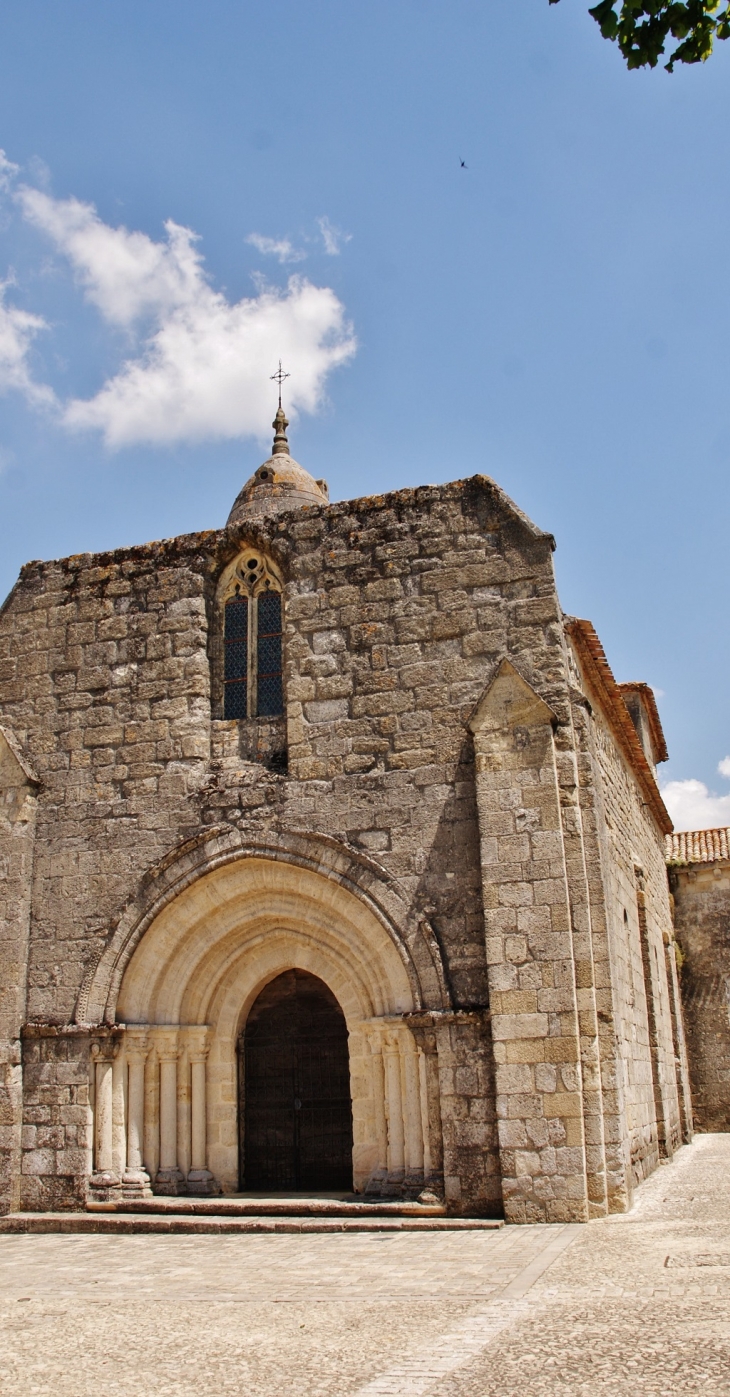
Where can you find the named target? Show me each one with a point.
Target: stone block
(513, 1027)
(39, 1162)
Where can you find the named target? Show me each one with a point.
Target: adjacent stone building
(332, 856)
(699, 875)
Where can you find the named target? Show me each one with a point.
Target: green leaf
(642, 29)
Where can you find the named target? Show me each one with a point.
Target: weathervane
(279, 378)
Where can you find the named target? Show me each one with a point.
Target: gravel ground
(628, 1305)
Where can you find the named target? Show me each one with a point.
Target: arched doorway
(295, 1110)
(188, 989)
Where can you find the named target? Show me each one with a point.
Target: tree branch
(641, 28)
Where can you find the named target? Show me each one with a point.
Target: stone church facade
(331, 855)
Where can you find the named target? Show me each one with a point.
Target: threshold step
(187, 1206)
(214, 1225)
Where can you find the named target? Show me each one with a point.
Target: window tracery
(252, 638)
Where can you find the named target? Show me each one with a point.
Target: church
(332, 861)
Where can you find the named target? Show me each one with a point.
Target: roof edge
(659, 742)
(508, 503)
(201, 538)
(600, 676)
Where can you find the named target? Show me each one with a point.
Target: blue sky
(556, 314)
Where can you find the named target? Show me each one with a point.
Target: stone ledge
(268, 1207)
(134, 1223)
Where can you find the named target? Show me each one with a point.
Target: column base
(433, 1189)
(413, 1183)
(104, 1186)
(374, 1185)
(201, 1181)
(170, 1181)
(136, 1184)
(392, 1185)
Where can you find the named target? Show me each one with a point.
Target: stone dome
(279, 484)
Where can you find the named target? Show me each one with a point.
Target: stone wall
(57, 1119)
(18, 808)
(395, 609)
(643, 1058)
(702, 922)
(106, 682)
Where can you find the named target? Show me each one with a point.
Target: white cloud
(692, 806)
(18, 329)
(200, 365)
(724, 766)
(280, 248)
(126, 275)
(203, 374)
(8, 171)
(332, 237)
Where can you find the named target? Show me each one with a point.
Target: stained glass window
(253, 640)
(236, 658)
(270, 697)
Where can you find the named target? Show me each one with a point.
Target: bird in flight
(463, 164)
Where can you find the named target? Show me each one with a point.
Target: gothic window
(268, 654)
(252, 639)
(236, 657)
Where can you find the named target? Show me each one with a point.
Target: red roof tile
(699, 845)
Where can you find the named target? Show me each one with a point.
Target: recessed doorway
(295, 1110)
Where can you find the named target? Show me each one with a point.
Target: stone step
(97, 1221)
(276, 1205)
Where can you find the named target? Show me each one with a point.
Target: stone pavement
(629, 1305)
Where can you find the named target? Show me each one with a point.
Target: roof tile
(698, 845)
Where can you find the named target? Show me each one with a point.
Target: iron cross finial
(279, 378)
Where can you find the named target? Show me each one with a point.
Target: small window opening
(253, 642)
(236, 657)
(268, 677)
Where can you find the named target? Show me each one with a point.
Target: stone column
(200, 1179)
(136, 1180)
(423, 1093)
(169, 1178)
(413, 1181)
(119, 1111)
(530, 955)
(151, 1145)
(394, 1113)
(104, 1105)
(103, 1178)
(430, 1100)
(379, 1173)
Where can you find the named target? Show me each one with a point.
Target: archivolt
(355, 876)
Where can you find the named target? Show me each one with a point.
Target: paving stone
(539, 1311)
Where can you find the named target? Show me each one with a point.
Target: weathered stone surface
(702, 921)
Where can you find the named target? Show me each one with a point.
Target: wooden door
(295, 1111)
